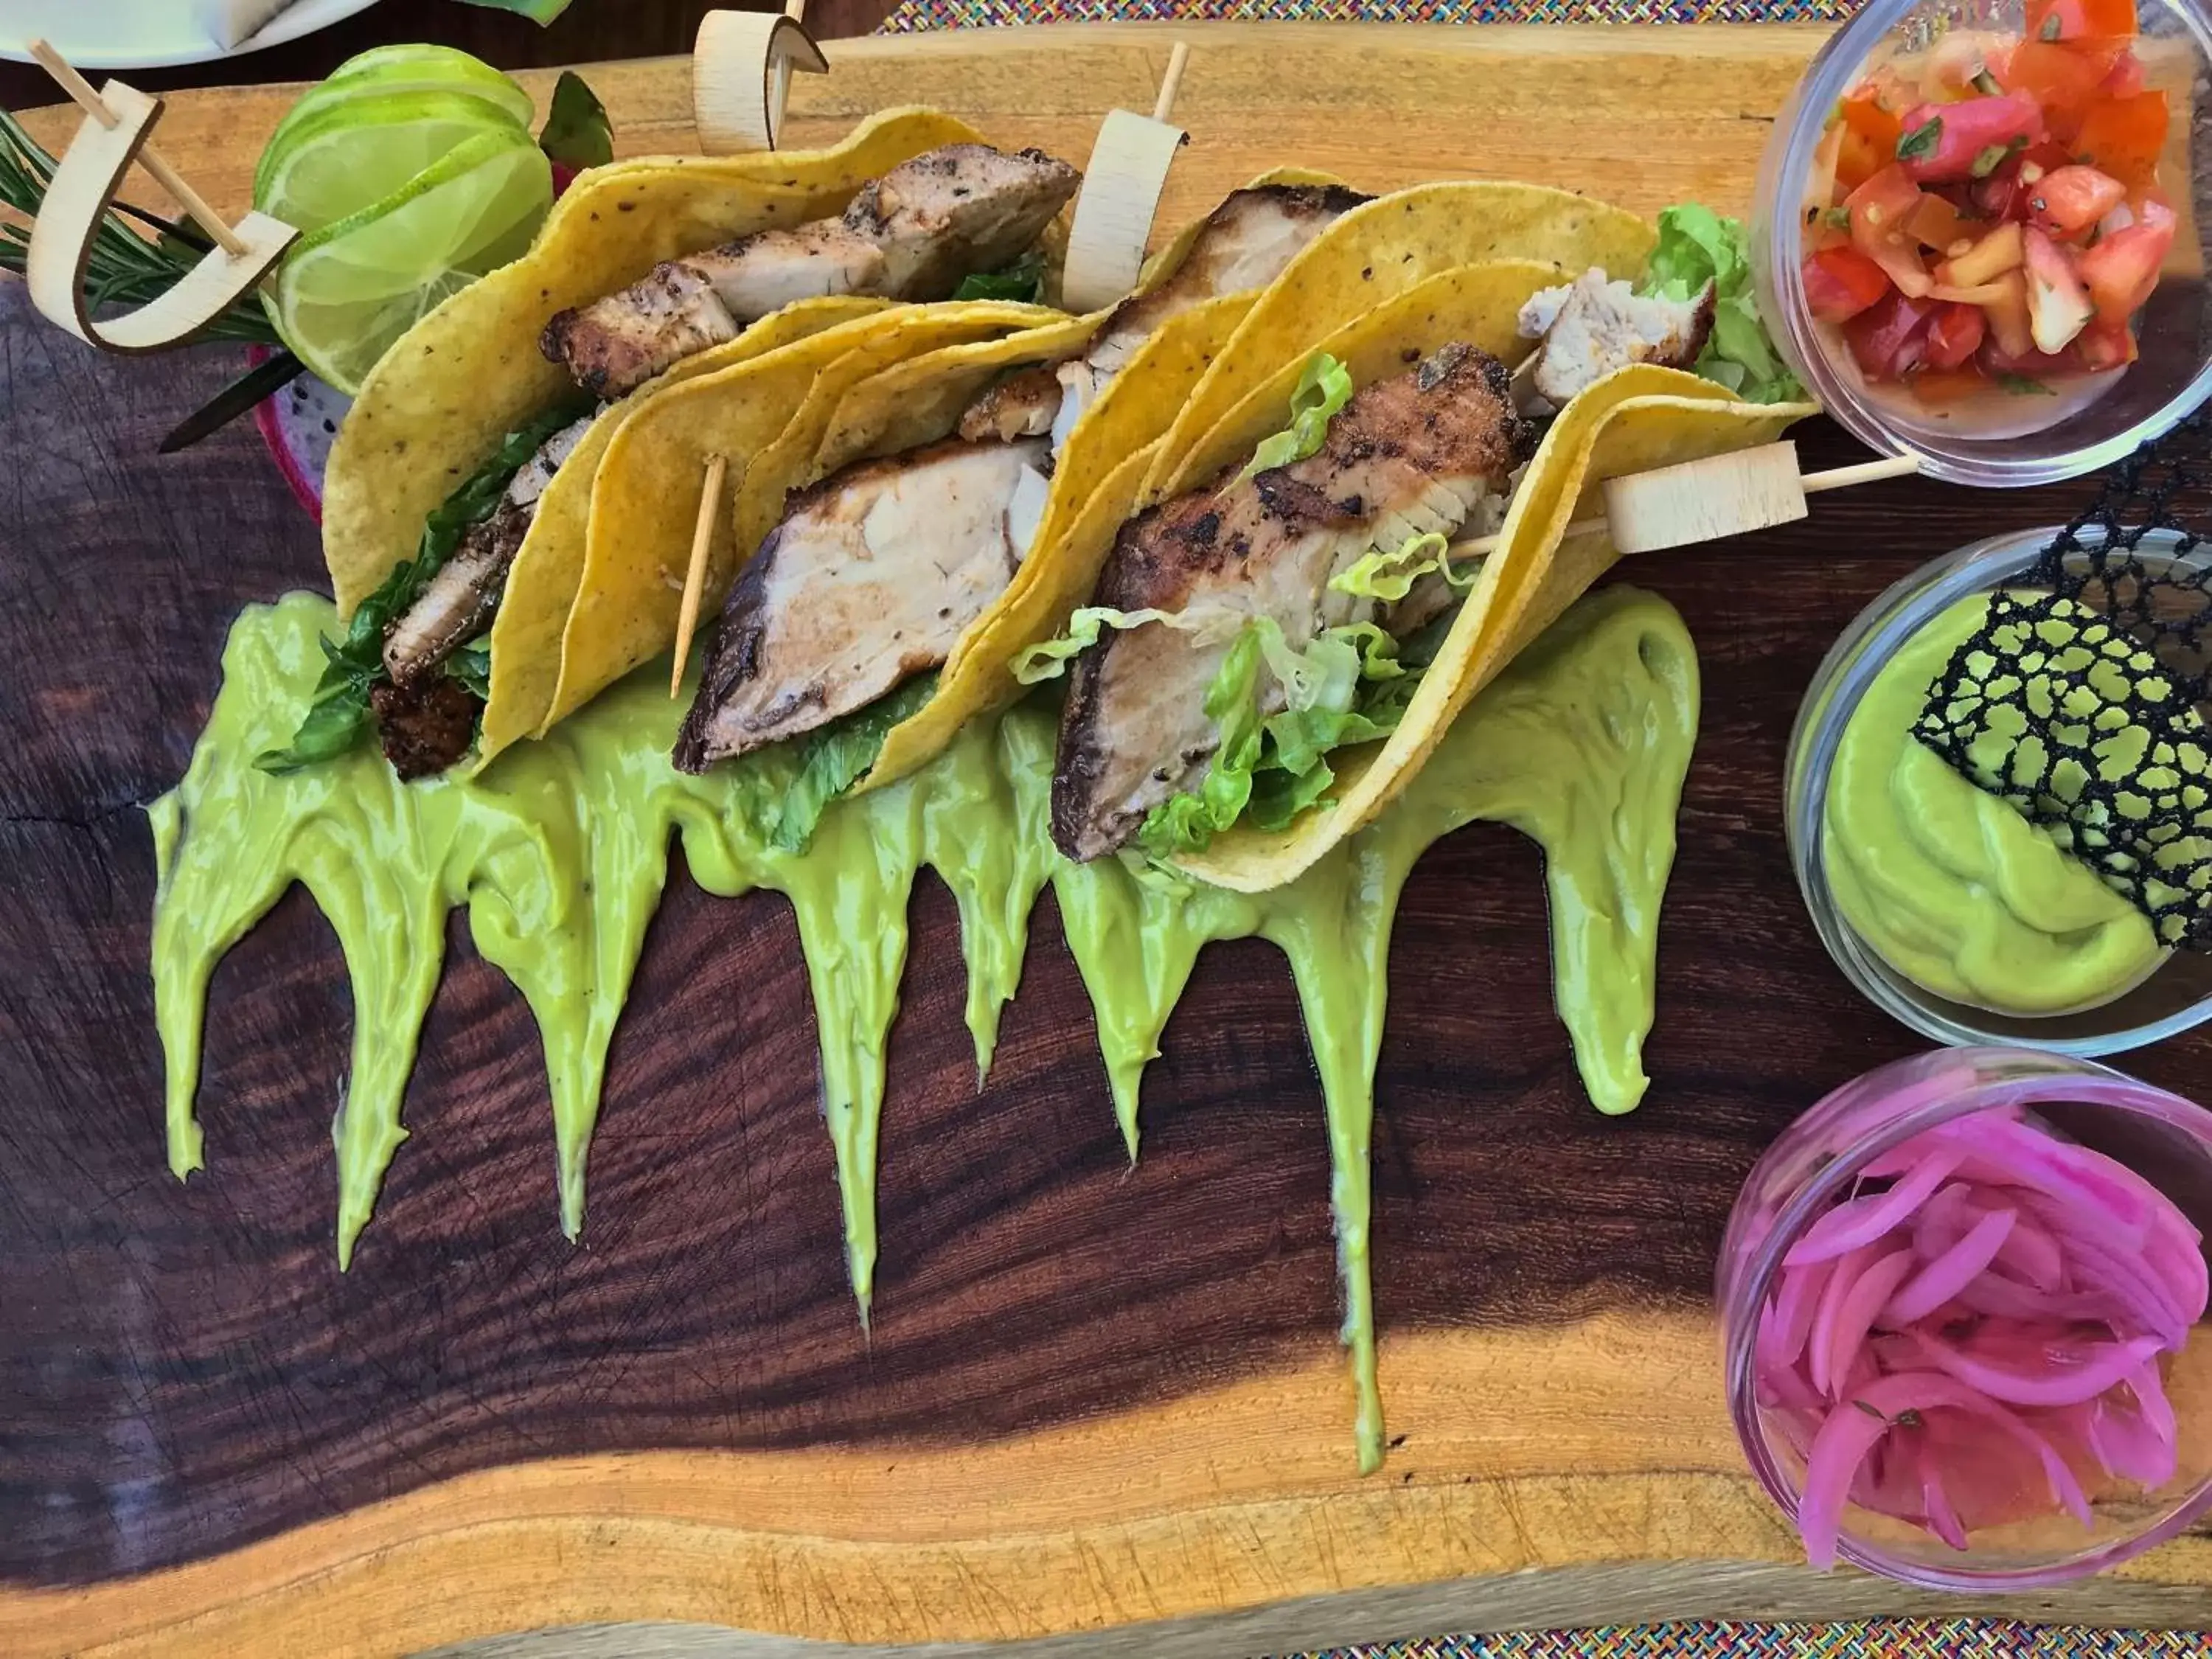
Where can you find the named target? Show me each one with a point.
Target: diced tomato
(2058, 305)
(2125, 79)
(2071, 19)
(2067, 203)
(1944, 141)
(1840, 282)
(1890, 340)
(2126, 137)
(1935, 223)
(1880, 210)
(2122, 268)
(1954, 336)
(1868, 140)
(2106, 345)
(2062, 81)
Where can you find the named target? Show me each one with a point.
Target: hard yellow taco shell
(1375, 253)
(448, 390)
(766, 415)
(541, 585)
(1631, 422)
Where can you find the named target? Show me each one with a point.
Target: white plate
(125, 34)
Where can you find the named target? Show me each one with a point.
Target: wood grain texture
(1099, 1407)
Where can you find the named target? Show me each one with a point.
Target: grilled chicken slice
(1591, 327)
(868, 581)
(912, 234)
(1020, 406)
(1423, 452)
(1243, 244)
(459, 603)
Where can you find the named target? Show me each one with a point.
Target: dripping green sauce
(560, 851)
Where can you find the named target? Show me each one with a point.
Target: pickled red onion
(2002, 1302)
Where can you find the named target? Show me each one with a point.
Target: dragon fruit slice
(299, 424)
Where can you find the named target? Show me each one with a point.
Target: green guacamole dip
(1951, 885)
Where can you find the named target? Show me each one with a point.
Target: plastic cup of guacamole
(1940, 901)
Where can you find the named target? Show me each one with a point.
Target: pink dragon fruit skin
(299, 424)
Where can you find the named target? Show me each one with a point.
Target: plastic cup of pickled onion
(1963, 1303)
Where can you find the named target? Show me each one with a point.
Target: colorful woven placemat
(916, 15)
(1881, 1638)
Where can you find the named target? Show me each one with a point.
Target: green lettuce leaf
(1185, 823)
(472, 666)
(1697, 246)
(338, 714)
(1323, 388)
(799, 778)
(1048, 659)
(1389, 576)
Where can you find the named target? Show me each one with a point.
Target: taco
(457, 499)
(1278, 632)
(919, 496)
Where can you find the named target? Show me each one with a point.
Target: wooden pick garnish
(741, 68)
(168, 177)
(76, 203)
(694, 577)
(1705, 500)
(1120, 194)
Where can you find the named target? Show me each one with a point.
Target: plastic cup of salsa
(2166, 1140)
(2175, 996)
(1981, 424)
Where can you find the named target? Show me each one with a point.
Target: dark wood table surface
(591, 30)
(180, 1370)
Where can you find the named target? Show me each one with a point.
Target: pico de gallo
(1988, 213)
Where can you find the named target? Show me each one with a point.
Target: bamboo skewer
(88, 99)
(1705, 500)
(1120, 194)
(694, 577)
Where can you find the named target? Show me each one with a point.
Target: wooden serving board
(1102, 1410)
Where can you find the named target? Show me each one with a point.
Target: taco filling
(874, 573)
(414, 662)
(1241, 630)
(914, 233)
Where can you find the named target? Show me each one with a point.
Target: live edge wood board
(1102, 1409)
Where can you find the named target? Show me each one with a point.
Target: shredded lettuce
(1323, 388)
(1348, 685)
(1697, 246)
(1048, 659)
(1389, 576)
(794, 781)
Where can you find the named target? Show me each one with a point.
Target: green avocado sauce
(1948, 884)
(560, 851)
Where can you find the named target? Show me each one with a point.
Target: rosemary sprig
(126, 267)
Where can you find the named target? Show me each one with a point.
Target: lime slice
(353, 154)
(347, 292)
(427, 68)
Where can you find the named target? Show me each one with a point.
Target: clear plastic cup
(2160, 1136)
(2176, 996)
(2013, 439)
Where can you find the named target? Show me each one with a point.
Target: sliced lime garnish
(348, 291)
(418, 68)
(353, 156)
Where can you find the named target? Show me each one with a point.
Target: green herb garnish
(2021, 386)
(1839, 218)
(577, 132)
(1993, 156)
(2050, 29)
(472, 666)
(1021, 282)
(1920, 142)
(338, 714)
